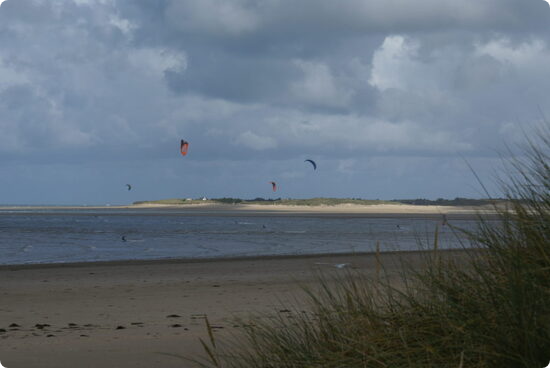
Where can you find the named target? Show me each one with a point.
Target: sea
(51, 235)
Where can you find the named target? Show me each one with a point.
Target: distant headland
(323, 201)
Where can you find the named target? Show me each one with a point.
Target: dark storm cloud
(307, 19)
(233, 78)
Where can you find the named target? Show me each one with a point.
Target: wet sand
(141, 314)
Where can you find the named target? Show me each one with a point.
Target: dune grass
(324, 202)
(490, 310)
(278, 201)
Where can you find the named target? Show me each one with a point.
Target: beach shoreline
(183, 261)
(375, 209)
(143, 313)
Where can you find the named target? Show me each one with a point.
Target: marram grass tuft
(489, 309)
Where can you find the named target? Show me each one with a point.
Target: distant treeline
(458, 201)
(239, 200)
(299, 202)
(327, 201)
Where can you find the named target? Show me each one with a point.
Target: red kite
(184, 147)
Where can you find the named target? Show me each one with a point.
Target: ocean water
(84, 235)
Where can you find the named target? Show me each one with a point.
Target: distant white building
(204, 198)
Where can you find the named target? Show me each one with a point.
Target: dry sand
(340, 209)
(376, 210)
(69, 316)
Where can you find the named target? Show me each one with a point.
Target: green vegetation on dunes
(262, 201)
(322, 201)
(458, 201)
(303, 202)
(171, 201)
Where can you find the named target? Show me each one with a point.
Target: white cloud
(390, 62)
(124, 25)
(525, 55)
(399, 63)
(158, 61)
(319, 86)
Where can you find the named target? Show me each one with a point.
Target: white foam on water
(26, 248)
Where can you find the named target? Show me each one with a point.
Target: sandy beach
(340, 210)
(141, 314)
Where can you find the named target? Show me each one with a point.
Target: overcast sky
(391, 98)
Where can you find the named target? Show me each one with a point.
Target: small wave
(207, 248)
(295, 232)
(214, 232)
(337, 265)
(26, 248)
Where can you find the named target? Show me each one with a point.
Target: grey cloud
(266, 83)
(310, 18)
(80, 81)
(217, 18)
(235, 78)
(311, 84)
